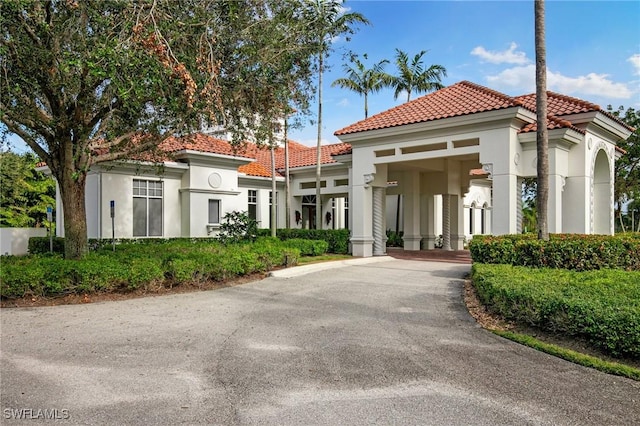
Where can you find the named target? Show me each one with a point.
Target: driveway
(380, 341)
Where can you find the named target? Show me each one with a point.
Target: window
(252, 209)
(471, 218)
(483, 219)
(346, 212)
(270, 204)
(147, 208)
(214, 211)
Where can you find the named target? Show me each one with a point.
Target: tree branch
(29, 139)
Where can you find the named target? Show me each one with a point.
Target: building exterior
(446, 166)
(432, 147)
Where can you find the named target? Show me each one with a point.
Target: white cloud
(509, 56)
(344, 102)
(635, 61)
(524, 80)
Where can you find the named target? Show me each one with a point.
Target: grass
(323, 258)
(576, 357)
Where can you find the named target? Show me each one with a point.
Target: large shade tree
(413, 77)
(363, 80)
(84, 83)
(327, 20)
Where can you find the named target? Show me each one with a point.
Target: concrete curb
(323, 266)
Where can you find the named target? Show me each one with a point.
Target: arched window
(483, 219)
(472, 218)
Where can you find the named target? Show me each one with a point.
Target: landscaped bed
(147, 268)
(595, 299)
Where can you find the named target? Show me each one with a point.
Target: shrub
(603, 307)
(237, 227)
(338, 239)
(568, 251)
(308, 247)
(136, 265)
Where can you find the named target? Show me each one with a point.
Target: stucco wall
(15, 241)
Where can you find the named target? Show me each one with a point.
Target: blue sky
(593, 51)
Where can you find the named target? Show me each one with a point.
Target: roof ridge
(492, 92)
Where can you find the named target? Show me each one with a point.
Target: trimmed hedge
(567, 251)
(603, 307)
(134, 266)
(338, 239)
(40, 245)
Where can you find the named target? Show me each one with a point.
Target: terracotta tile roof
(255, 169)
(459, 99)
(552, 123)
(469, 98)
(307, 157)
(202, 143)
(559, 105)
(562, 106)
(478, 172)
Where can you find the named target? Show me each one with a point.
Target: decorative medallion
(215, 180)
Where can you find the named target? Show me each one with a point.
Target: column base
(362, 247)
(429, 242)
(412, 242)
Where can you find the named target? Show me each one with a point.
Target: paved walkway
(381, 341)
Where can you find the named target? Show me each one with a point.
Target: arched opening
(602, 208)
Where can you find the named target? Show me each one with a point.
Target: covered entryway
(425, 151)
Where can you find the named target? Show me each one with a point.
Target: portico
(430, 149)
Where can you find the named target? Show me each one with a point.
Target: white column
(554, 208)
(446, 222)
(360, 209)
(519, 225)
(379, 248)
(456, 222)
(505, 204)
(411, 211)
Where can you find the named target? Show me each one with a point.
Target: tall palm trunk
(287, 187)
(542, 137)
(273, 206)
(319, 145)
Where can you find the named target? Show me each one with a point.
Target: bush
(603, 307)
(308, 247)
(568, 251)
(141, 265)
(238, 227)
(338, 239)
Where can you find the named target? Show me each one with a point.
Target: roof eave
(511, 112)
(191, 154)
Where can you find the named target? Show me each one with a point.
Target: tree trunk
(319, 146)
(72, 192)
(287, 187)
(366, 106)
(542, 137)
(274, 221)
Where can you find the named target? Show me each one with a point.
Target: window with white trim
(214, 212)
(270, 204)
(147, 208)
(252, 204)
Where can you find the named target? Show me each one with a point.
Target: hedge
(603, 307)
(40, 245)
(338, 239)
(134, 266)
(567, 251)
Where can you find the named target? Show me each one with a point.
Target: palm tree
(414, 77)
(328, 20)
(363, 81)
(542, 136)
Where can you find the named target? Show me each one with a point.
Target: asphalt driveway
(387, 342)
